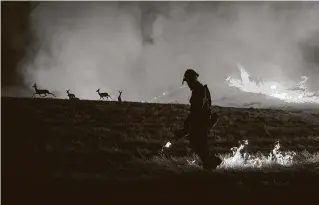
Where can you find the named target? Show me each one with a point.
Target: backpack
(212, 117)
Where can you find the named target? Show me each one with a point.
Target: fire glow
(244, 160)
(239, 160)
(168, 144)
(296, 94)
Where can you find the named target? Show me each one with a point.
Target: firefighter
(199, 121)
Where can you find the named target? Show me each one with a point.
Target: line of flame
(296, 94)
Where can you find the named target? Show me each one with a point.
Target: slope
(97, 145)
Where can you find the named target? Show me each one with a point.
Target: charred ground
(105, 151)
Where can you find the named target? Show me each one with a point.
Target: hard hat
(190, 74)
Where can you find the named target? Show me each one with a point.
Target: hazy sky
(144, 48)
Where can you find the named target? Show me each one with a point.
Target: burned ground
(111, 152)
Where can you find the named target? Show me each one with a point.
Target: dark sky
(14, 37)
(143, 48)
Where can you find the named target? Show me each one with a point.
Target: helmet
(190, 75)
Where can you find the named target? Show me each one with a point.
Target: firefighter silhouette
(199, 121)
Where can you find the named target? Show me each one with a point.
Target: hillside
(117, 147)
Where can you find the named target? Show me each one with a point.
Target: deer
(40, 92)
(71, 96)
(103, 95)
(119, 97)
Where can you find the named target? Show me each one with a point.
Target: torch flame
(168, 144)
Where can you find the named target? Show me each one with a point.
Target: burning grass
(239, 160)
(246, 160)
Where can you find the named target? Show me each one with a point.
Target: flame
(296, 94)
(239, 160)
(168, 144)
(245, 160)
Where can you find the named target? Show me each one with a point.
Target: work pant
(198, 143)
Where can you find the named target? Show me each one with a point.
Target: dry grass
(105, 141)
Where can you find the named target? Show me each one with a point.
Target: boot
(212, 163)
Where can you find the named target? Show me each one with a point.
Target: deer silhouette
(71, 96)
(40, 92)
(103, 95)
(120, 98)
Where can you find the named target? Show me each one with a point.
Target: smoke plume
(143, 48)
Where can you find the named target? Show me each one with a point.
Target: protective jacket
(200, 117)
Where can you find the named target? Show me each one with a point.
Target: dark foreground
(301, 188)
(89, 152)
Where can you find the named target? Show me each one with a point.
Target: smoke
(143, 48)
